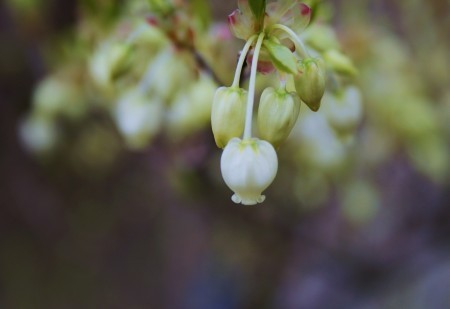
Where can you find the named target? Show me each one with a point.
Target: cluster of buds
(153, 75)
(249, 164)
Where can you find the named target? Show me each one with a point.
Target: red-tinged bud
(310, 84)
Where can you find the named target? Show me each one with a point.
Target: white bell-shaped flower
(248, 167)
(138, 117)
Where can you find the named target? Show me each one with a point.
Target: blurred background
(110, 187)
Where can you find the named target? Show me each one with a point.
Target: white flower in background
(107, 61)
(191, 109)
(138, 117)
(319, 144)
(38, 134)
(168, 73)
(248, 168)
(56, 96)
(344, 111)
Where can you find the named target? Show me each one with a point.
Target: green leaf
(282, 57)
(258, 8)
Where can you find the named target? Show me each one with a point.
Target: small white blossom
(248, 167)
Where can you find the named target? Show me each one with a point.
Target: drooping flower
(138, 118)
(248, 167)
(344, 109)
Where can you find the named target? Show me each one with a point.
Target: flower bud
(278, 111)
(310, 84)
(248, 168)
(321, 37)
(339, 62)
(228, 114)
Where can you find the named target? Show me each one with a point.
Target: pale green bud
(248, 168)
(191, 109)
(339, 62)
(278, 111)
(228, 114)
(310, 83)
(321, 37)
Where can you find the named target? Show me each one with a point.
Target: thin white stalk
(251, 89)
(244, 52)
(299, 46)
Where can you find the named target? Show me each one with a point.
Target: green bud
(278, 111)
(310, 83)
(339, 62)
(228, 114)
(321, 37)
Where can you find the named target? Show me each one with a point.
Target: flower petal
(244, 7)
(297, 17)
(248, 167)
(275, 10)
(241, 25)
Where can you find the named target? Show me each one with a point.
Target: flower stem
(299, 46)
(244, 52)
(251, 89)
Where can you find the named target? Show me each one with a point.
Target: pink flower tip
(304, 9)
